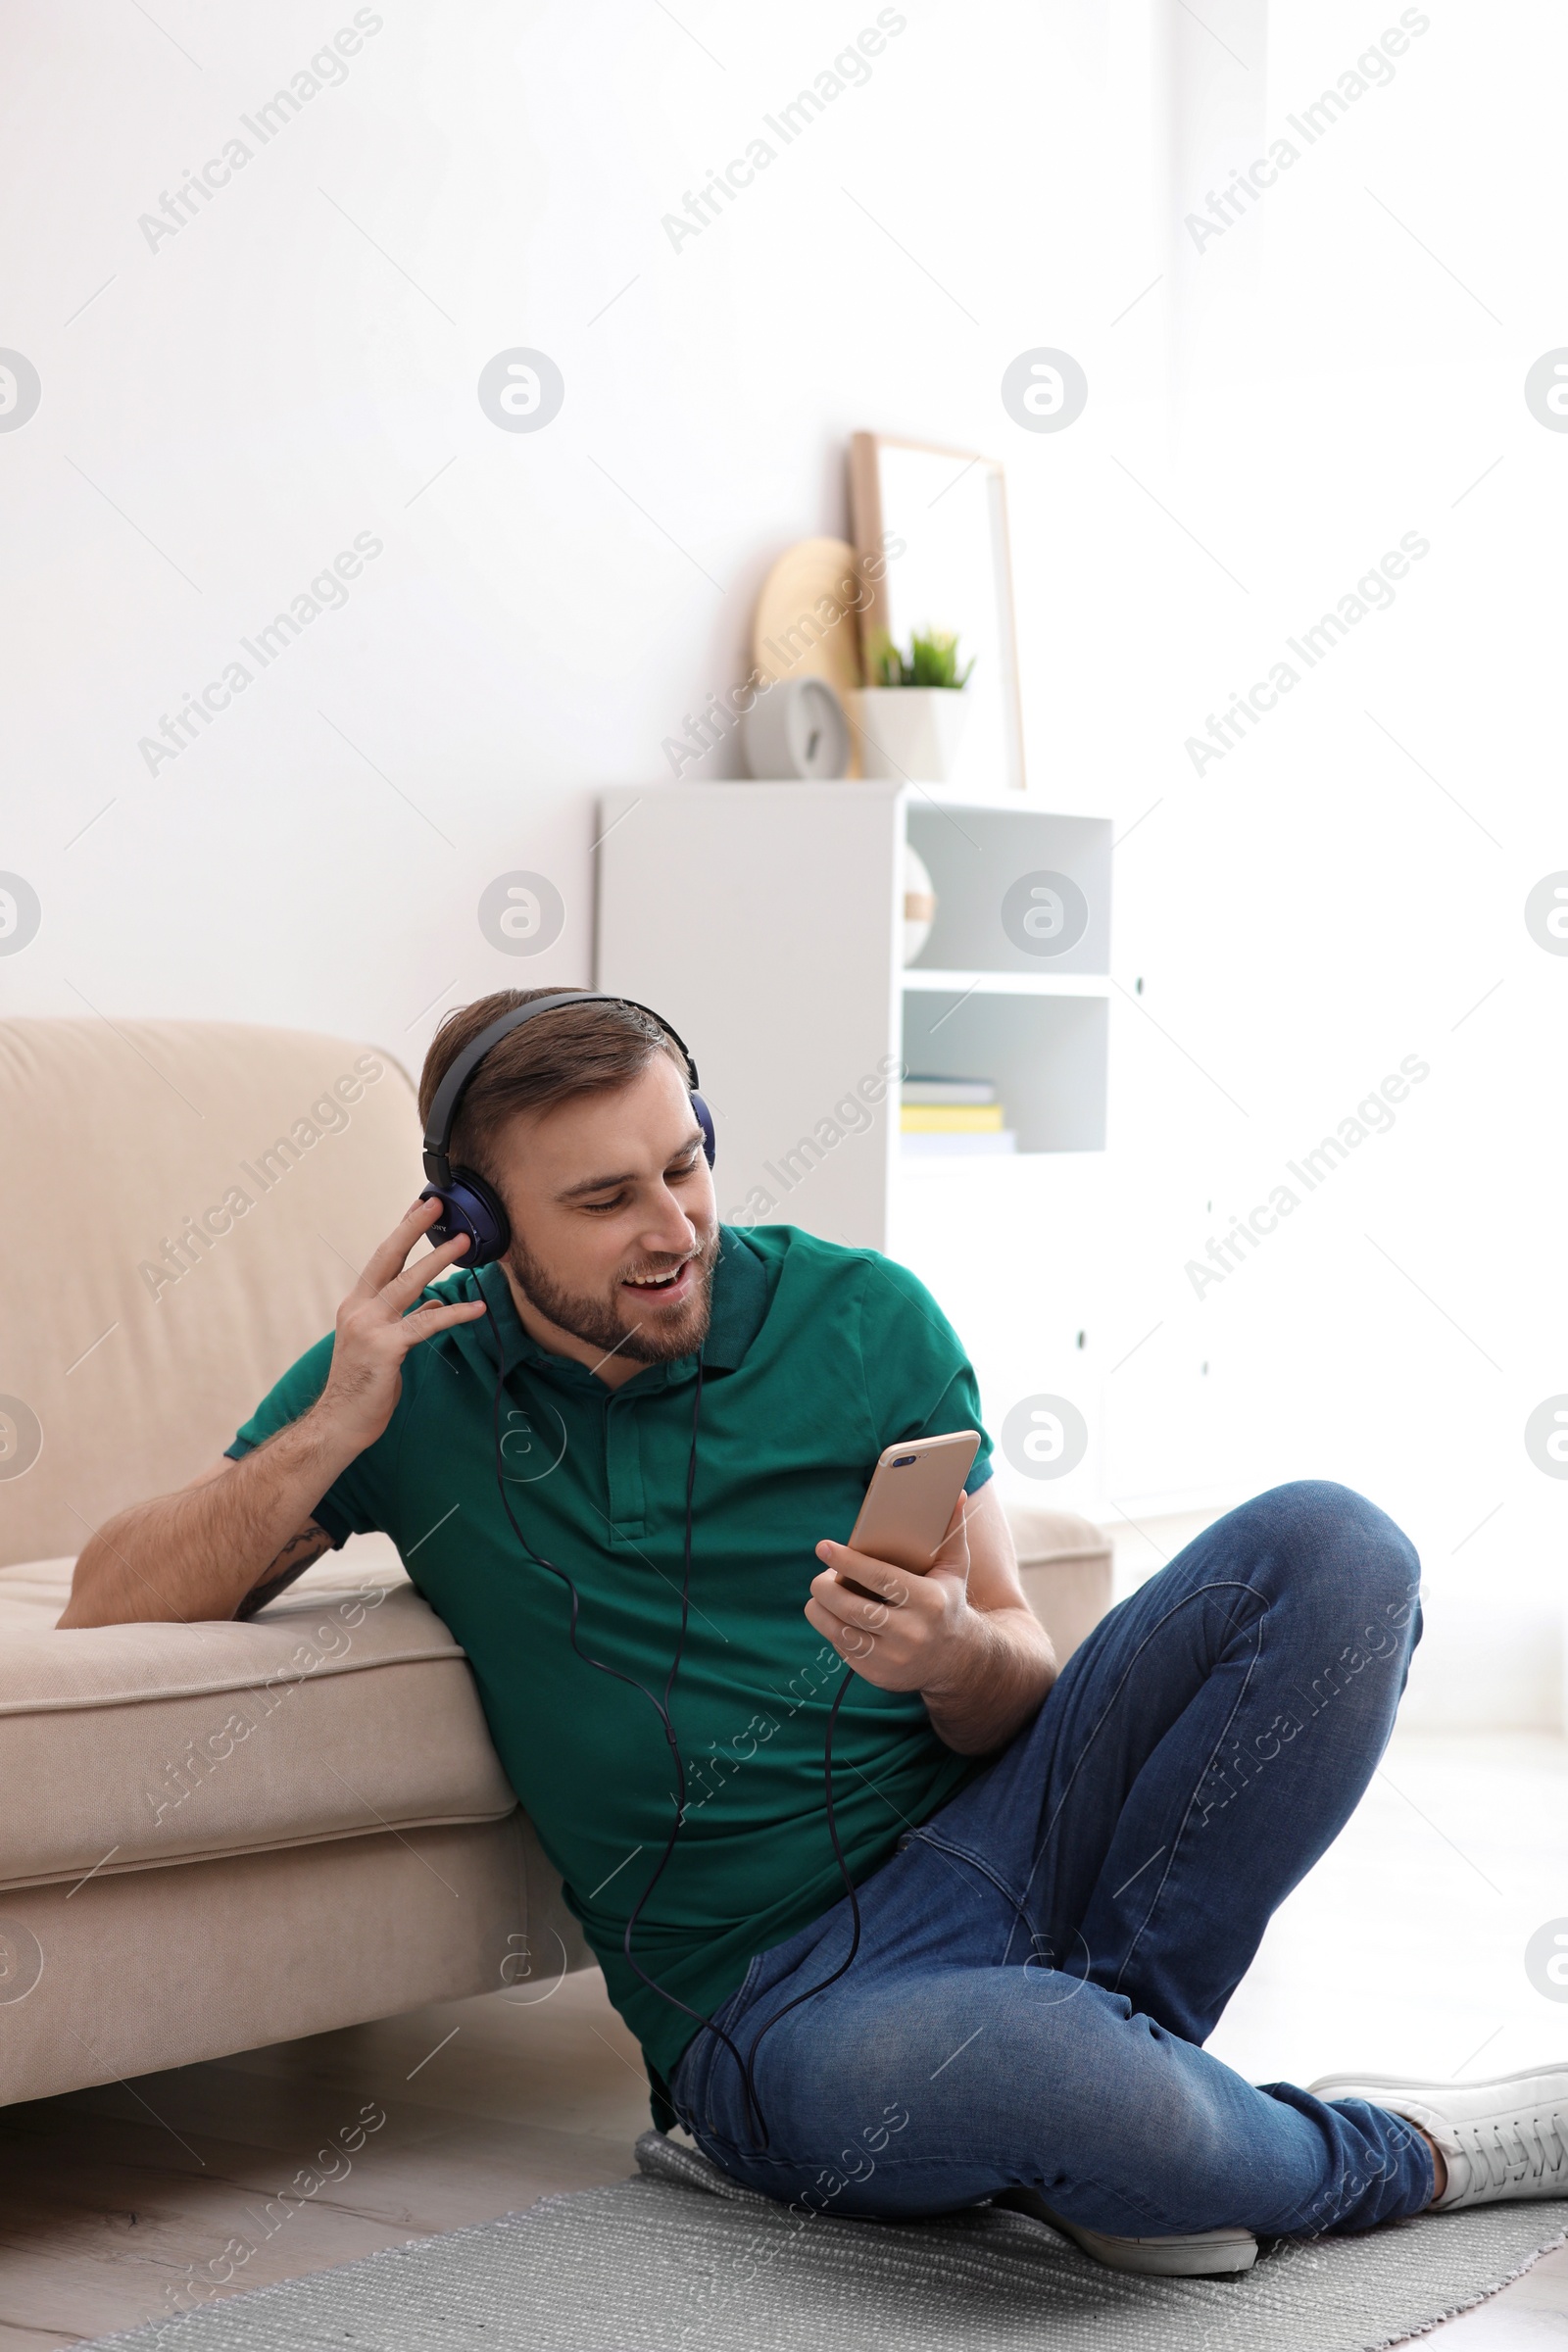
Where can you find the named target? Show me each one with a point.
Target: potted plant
(908, 719)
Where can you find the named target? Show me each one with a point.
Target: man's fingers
(851, 1642)
(878, 1576)
(841, 1607)
(861, 1609)
(385, 1262)
(405, 1287)
(426, 1321)
(953, 1550)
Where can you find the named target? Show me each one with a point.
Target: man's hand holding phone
(913, 1608)
(903, 1632)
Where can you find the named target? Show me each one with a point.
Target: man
(985, 1961)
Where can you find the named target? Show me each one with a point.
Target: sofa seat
(344, 1708)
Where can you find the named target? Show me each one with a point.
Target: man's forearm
(1007, 1667)
(196, 1554)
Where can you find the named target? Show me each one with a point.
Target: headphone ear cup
(468, 1205)
(705, 1120)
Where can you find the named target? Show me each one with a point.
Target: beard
(601, 1321)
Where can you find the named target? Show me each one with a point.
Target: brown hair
(581, 1050)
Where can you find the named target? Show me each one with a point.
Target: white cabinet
(759, 918)
(765, 921)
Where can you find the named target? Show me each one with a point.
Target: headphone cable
(748, 2070)
(660, 1707)
(745, 2065)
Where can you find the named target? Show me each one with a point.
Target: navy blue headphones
(468, 1203)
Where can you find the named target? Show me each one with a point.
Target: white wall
(1341, 367)
(266, 384)
(1348, 887)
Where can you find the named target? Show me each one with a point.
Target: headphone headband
(455, 1085)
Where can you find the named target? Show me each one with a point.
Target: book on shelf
(948, 1090)
(998, 1141)
(951, 1118)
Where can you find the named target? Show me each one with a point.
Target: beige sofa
(219, 1836)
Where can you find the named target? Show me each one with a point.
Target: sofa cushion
(1042, 1535)
(1065, 1568)
(212, 1193)
(344, 1707)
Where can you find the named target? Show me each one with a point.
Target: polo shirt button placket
(623, 1468)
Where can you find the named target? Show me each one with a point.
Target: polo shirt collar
(739, 1309)
(740, 1302)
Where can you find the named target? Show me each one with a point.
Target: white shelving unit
(765, 921)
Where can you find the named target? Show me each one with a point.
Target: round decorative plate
(805, 625)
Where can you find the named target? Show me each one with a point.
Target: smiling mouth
(654, 1285)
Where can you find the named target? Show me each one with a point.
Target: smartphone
(909, 1501)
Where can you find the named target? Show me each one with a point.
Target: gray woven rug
(657, 2266)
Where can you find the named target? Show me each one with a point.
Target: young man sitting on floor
(636, 1416)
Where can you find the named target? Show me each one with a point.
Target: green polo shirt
(816, 1359)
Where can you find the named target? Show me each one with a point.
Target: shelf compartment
(976, 855)
(1045, 1055)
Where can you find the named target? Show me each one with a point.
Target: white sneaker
(1503, 2139)
(1200, 2254)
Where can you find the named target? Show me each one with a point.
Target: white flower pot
(908, 731)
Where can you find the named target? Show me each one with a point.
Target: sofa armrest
(1065, 1564)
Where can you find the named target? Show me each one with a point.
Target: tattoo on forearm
(296, 1557)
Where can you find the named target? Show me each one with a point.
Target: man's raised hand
(239, 1528)
(375, 1330)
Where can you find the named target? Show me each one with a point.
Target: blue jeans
(1042, 1960)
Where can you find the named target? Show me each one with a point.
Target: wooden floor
(110, 2198)
(1402, 1950)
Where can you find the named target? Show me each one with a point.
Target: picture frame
(930, 531)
